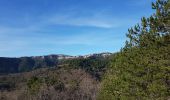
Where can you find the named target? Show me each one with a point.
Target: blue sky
(73, 27)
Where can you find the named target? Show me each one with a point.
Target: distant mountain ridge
(62, 56)
(23, 64)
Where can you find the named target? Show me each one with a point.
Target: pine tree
(141, 71)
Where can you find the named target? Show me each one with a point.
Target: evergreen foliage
(96, 66)
(141, 71)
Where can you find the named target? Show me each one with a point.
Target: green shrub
(34, 84)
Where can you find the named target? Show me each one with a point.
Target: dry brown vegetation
(49, 84)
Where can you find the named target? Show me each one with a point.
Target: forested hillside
(54, 79)
(92, 62)
(49, 84)
(141, 71)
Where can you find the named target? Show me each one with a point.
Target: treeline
(96, 66)
(141, 71)
(24, 64)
